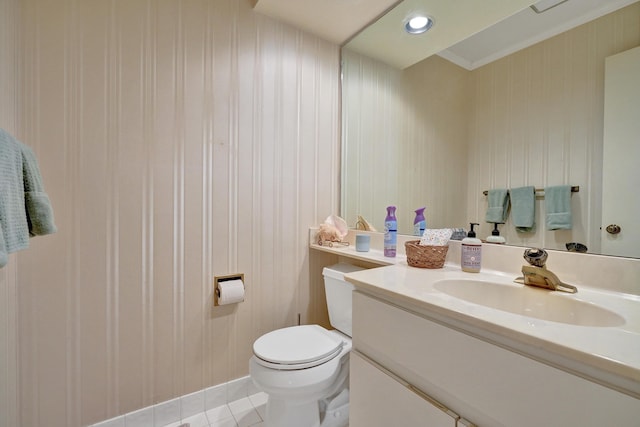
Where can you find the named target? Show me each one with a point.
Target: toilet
(304, 369)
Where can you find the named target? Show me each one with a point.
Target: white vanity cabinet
(485, 383)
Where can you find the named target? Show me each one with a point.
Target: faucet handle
(536, 257)
(537, 274)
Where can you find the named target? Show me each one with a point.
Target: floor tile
(247, 418)
(240, 405)
(198, 420)
(248, 411)
(259, 402)
(218, 414)
(229, 422)
(244, 412)
(258, 399)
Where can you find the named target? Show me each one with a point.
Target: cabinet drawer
(380, 400)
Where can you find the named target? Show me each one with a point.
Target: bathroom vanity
(422, 356)
(448, 348)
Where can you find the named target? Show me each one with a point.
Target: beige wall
(178, 140)
(8, 274)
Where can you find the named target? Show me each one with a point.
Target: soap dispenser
(495, 235)
(419, 223)
(471, 252)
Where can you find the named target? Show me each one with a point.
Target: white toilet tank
(339, 297)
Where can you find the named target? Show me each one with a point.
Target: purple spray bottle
(419, 223)
(390, 232)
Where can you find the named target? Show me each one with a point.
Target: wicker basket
(425, 256)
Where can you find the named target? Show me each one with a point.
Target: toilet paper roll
(231, 292)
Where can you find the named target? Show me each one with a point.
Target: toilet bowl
(305, 369)
(297, 384)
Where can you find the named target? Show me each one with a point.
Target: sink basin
(530, 302)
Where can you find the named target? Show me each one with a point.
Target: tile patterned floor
(245, 412)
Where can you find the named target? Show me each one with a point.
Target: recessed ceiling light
(418, 24)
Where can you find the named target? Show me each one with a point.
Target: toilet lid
(297, 345)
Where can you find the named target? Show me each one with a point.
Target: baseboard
(173, 410)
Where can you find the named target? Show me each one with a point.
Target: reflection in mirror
(621, 174)
(438, 135)
(392, 122)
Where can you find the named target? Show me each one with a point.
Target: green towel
(557, 202)
(37, 205)
(4, 255)
(523, 208)
(24, 206)
(498, 206)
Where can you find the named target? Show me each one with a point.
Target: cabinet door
(380, 400)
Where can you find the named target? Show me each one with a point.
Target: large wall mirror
(439, 132)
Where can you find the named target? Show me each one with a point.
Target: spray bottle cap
(472, 233)
(391, 213)
(419, 214)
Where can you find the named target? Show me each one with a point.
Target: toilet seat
(297, 347)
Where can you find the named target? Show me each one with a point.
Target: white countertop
(373, 256)
(607, 355)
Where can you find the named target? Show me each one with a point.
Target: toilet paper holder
(219, 279)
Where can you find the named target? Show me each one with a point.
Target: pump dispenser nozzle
(495, 235)
(471, 232)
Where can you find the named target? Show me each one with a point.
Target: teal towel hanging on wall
(557, 201)
(523, 208)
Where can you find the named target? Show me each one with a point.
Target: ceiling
(526, 28)
(463, 33)
(454, 21)
(333, 20)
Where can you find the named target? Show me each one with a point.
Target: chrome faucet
(536, 274)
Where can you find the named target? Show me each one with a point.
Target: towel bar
(574, 189)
